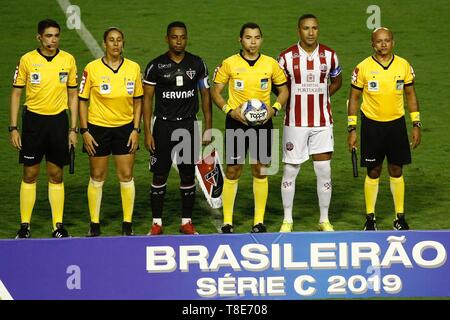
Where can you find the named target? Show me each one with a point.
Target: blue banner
(294, 266)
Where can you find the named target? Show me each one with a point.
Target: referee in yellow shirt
(249, 75)
(110, 112)
(50, 77)
(383, 79)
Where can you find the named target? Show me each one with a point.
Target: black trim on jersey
(280, 85)
(84, 99)
(140, 97)
(16, 86)
(117, 70)
(387, 67)
(73, 87)
(250, 62)
(357, 88)
(409, 84)
(49, 59)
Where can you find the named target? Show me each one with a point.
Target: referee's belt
(177, 118)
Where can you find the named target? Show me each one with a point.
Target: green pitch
(421, 37)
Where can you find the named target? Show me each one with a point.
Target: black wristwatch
(417, 124)
(84, 130)
(12, 128)
(76, 130)
(138, 130)
(351, 128)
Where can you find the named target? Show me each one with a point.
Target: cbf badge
(105, 88)
(373, 86)
(130, 87)
(238, 84)
(35, 78)
(63, 76)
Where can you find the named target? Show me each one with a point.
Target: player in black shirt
(175, 78)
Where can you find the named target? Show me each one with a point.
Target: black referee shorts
(384, 139)
(111, 139)
(240, 139)
(44, 135)
(179, 140)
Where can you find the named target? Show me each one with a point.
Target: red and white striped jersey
(309, 100)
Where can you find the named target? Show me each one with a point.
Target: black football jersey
(176, 85)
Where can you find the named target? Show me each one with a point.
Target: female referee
(110, 97)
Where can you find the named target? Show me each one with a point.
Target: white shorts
(301, 142)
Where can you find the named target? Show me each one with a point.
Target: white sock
(157, 221)
(185, 220)
(323, 173)
(290, 172)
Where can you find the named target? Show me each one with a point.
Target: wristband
(84, 130)
(415, 116)
(74, 130)
(277, 106)
(226, 108)
(352, 120)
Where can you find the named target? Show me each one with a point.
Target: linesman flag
(209, 173)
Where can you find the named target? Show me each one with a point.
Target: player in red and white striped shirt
(314, 75)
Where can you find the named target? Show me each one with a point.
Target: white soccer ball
(254, 111)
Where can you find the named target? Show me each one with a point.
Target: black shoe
(400, 223)
(227, 228)
(24, 231)
(127, 229)
(60, 232)
(94, 230)
(258, 228)
(371, 224)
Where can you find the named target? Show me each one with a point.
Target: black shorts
(44, 135)
(175, 139)
(240, 139)
(380, 139)
(111, 139)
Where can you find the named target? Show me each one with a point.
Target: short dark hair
(249, 25)
(47, 23)
(176, 24)
(306, 16)
(107, 31)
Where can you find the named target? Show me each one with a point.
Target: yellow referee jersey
(382, 87)
(111, 92)
(247, 82)
(46, 80)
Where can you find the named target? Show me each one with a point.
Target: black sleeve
(150, 73)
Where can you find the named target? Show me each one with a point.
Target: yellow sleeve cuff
(226, 108)
(352, 120)
(415, 116)
(277, 106)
